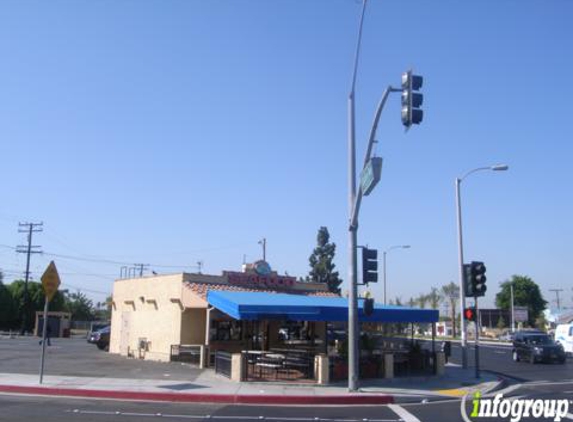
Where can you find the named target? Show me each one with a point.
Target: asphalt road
(498, 359)
(76, 357)
(21, 409)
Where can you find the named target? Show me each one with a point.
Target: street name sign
(370, 175)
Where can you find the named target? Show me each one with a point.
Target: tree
(501, 323)
(541, 322)
(102, 310)
(80, 307)
(451, 293)
(37, 300)
(7, 320)
(434, 298)
(525, 293)
(321, 262)
(422, 300)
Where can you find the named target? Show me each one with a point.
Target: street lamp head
(500, 167)
(405, 246)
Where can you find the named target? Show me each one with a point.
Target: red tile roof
(201, 290)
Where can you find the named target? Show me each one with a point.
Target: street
(498, 359)
(544, 381)
(21, 409)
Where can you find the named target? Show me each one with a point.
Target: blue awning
(281, 306)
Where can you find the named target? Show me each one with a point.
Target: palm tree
(451, 293)
(434, 298)
(422, 300)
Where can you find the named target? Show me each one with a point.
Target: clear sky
(166, 132)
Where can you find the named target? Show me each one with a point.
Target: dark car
(535, 347)
(101, 338)
(92, 338)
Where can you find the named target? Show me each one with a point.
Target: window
(570, 331)
(225, 330)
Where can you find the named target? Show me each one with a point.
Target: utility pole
(199, 266)
(557, 291)
(512, 309)
(29, 249)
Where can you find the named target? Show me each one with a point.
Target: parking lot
(76, 357)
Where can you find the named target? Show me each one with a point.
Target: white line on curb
(403, 413)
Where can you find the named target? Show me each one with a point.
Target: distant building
(490, 318)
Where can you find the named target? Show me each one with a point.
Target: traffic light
(368, 306)
(470, 314)
(478, 278)
(369, 265)
(411, 99)
(468, 286)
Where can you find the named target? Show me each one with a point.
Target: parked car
(94, 329)
(564, 336)
(536, 347)
(101, 338)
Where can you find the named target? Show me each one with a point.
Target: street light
(384, 263)
(497, 167)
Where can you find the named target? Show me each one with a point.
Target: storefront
(153, 316)
(275, 324)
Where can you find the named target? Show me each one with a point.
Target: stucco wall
(193, 326)
(147, 307)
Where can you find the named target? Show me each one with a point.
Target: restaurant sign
(256, 280)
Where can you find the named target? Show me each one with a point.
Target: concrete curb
(349, 399)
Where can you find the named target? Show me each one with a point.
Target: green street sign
(370, 175)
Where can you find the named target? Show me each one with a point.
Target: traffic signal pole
(353, 229)
(461, 274)
(354, 202)
(477, 324)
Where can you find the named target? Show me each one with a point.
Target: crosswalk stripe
(403, 413)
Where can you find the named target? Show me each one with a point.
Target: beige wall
(147, 307)
(193, 326)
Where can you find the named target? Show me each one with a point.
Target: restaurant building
(266, 324)
(153, 315)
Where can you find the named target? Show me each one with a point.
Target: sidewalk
(212, 388)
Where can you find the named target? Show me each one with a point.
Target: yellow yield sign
(50, 281)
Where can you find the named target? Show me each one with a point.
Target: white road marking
(505, 391)
(403, 413)
(230, 417)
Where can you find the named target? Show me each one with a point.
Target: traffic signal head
(368, 306)
(369, 265)
(478, 278)
(470, 314)
(411, 99)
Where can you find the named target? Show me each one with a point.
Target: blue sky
(169, 131)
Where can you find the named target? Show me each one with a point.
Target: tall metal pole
(478, 325)
(353, 332)
(384, 266)
(512, 309)
(461, 276)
